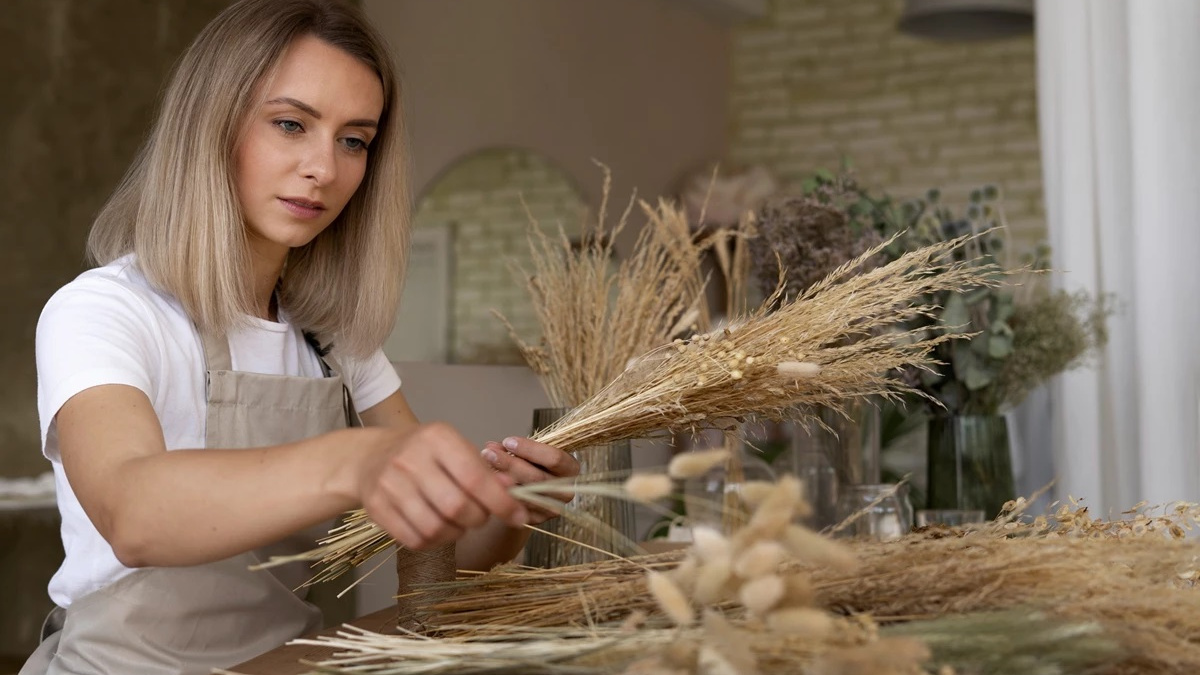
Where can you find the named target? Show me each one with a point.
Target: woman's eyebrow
(312, 112)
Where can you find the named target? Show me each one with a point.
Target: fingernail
(510, 443)
(488, 455)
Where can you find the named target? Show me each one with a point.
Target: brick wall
(481, 199)
(819, 80)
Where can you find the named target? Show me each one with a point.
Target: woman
(199, 391)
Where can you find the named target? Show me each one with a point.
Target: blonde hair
(177, 210)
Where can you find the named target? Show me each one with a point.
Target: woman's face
(303, 152)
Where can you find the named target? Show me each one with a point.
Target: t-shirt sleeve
(371, 380)
(91, 332)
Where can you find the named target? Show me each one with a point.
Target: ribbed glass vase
(562, 546)
(970, 463)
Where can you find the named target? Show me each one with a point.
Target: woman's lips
(302, 208)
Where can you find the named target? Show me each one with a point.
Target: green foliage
(1022, 334)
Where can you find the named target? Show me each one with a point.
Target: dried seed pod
(708, 544)
(754, 492)
(797, 590)
(684, 574)
(777, 509)
(807, 621)
(648, 487)
(762, 594)
(798, 369)
(634, 621)
(812, 547)
(696, 464)
(711, 580)
(670, 598)
(760, 559)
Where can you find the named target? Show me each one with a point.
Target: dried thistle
(809, 240)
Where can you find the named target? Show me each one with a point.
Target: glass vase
(851, 442)
(877, 509)
(714, 498)
(970, 463)
(570, 546)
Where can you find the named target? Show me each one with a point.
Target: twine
(417, 568)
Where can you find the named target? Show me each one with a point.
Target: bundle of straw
(776, 364)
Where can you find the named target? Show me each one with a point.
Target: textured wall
(819, 80)
(641, 85)
(81, 80)
(484, 199)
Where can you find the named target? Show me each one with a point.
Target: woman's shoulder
(119, 282)
(115, 293)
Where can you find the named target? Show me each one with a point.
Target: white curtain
(1119, 105)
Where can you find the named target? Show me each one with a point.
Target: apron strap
(217, 357)
(331, 366)
(216, 351)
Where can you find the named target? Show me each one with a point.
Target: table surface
(285, 660)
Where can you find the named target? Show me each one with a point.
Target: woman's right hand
(429, 486)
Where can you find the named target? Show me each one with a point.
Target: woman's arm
(424, 485)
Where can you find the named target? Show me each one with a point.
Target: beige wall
(486, 201)
(640, 85)
(80, 81)
(821, 79)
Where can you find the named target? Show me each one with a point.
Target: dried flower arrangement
(776, 364)
(1063, 594)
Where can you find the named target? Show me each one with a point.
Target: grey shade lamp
(966, 20)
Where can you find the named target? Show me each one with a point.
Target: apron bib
(189, 620)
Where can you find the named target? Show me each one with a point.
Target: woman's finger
(551, 459)
(447, 498)
(519, 470)
(385, 514)
(473, 477)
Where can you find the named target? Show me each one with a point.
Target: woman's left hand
(526, 461)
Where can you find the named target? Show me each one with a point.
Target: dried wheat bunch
(595, 315)
(835, 342)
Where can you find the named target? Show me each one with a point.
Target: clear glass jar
(878, 511)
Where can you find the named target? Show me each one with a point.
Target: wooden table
(285, 660)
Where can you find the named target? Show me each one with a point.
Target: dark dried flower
(809, 239)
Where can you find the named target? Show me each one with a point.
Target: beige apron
(185, 620)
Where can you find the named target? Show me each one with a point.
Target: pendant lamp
(966, 20)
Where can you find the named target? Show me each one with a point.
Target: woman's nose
(319, 163)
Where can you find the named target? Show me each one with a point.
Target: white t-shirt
(110, 326)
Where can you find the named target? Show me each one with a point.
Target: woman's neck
(267, 268)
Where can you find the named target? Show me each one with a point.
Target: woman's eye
(355, 144)
(289, 126)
